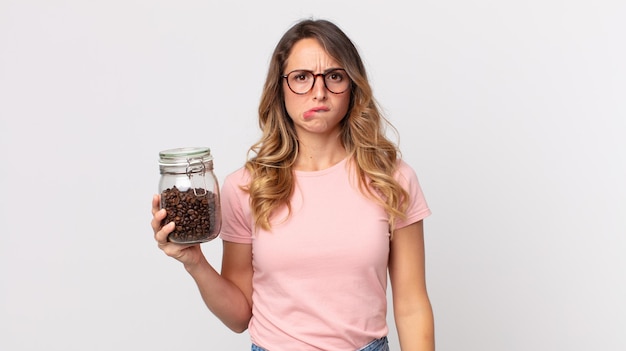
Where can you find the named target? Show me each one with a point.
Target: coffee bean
(194, 215)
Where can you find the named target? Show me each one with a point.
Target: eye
(336, 76)
(300, 76)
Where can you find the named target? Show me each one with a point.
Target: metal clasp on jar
(195, 167)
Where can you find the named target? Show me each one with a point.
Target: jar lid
(181, 156)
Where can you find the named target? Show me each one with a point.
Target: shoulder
(404, 173)
(239, 177)
(418, 208)
(234, 185)
(236, 216)
(403, 166)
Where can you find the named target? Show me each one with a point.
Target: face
(318, 111)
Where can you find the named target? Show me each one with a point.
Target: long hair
(362, 132)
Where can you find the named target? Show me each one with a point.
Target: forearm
(416, 329)
(223, 298)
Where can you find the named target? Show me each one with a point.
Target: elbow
(238, 328)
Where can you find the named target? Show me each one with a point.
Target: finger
(156, 203)
(161, 235)
(159, 215)
(157, 219)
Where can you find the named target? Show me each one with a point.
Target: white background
(512, 112)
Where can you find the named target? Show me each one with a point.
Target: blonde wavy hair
(362, 132)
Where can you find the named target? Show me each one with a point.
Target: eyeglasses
(302, 81)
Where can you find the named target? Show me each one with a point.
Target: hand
(189, 255)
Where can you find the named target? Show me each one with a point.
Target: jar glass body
(190, 194)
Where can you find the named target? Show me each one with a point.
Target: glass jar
(190, 194)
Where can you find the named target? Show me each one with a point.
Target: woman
(322, 210)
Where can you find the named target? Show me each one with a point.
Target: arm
(229, 294)
(411, 305)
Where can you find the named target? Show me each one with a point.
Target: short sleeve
(418, 207)
(236, 216)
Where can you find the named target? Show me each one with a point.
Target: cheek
(291, 105)
(344, 105)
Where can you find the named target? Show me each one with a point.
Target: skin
(229, 295)
(318, 132)
(411, 305)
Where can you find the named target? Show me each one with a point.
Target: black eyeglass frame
(315, 75)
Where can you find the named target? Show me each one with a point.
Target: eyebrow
(324, 72)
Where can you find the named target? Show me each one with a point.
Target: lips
(314, 110)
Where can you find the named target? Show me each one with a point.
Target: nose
(319, 87)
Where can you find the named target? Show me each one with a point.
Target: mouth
(315, 110)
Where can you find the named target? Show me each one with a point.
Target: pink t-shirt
(320, 275)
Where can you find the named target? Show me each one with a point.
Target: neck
(319, 153)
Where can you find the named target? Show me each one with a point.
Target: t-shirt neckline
(322, 171)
